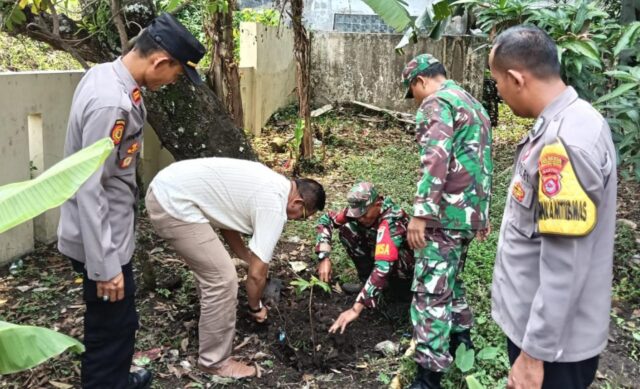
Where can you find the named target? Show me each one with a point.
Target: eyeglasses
(304, 206)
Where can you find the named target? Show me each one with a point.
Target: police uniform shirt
(551, 292)
(97, 224)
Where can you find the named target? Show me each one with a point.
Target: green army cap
(359, 198)
(413, 68)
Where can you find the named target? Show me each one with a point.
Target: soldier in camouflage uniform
(372, 229)
(453, 131)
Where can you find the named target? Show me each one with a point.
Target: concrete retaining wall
(365, 67)
(34, 109)
(267, 72)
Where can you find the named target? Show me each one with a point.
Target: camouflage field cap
(413, 68)
(360, 197)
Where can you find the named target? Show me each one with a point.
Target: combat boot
(459, 338)
(426, 379)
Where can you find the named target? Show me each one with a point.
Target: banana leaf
(22, 201)
(23, 347)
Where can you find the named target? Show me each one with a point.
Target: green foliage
(23, 347)
(267, 17)
(626, 273)
(431, 22)
(22, 54)
(590, 44)
(23, 201)
(465, 359)
(384, 378)
(301, 284)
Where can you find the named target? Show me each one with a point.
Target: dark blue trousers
(562, 375)
(109, 334)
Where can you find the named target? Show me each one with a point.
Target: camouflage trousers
(439, 307)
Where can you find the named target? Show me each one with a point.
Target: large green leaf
(23, 347)
(393, 12)
(487, 353)
(619, 91)
(582, 48)
(473, 383)
(465, 359)
(25, 200)
(630, 34)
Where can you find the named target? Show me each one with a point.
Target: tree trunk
(223, 75)
(191, 122)
(301, 51)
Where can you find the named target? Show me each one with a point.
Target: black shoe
(459, 338)
(141, 379)
(426, 379)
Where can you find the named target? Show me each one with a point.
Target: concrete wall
(267, 72)
(34, 109)
(33, 119)
(365, 67)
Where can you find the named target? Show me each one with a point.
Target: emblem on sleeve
(386, 249)
(126, 162)
(117, 131)
(550, 166)
(518, 192)
(564, 206)
(136, 96)
(133, 148)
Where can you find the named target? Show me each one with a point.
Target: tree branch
(119, 22)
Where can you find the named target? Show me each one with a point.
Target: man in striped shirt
(190, 198)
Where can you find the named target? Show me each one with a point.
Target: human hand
(260, 316)
(415, 233)
(113, 289)
(345, 318)
(526, 373)
(482, 235)
(324, 270)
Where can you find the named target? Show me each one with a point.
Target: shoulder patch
(117, 131)
(386, 250)
(136, 96)
(565, 208)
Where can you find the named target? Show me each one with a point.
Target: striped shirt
(231, 194)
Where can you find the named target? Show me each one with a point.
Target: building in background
(341, 15)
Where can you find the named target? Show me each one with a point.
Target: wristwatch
(323, 255)
(260, 306)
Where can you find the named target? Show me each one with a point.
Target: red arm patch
(386, 249)
(117, 131)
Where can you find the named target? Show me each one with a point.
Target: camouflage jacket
(385, 243)
(453, 131)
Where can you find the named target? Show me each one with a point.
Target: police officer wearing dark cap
(96, 229)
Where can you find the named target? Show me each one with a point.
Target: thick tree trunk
(301, 51)
(191, 122)
(223, 74)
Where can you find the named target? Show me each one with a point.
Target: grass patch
(24, 54)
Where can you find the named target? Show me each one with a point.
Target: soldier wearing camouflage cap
(372, 229)
(451, 205)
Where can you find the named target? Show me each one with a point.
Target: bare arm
(234, 240)
(256, 280)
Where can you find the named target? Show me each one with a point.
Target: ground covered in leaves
(293, 348)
